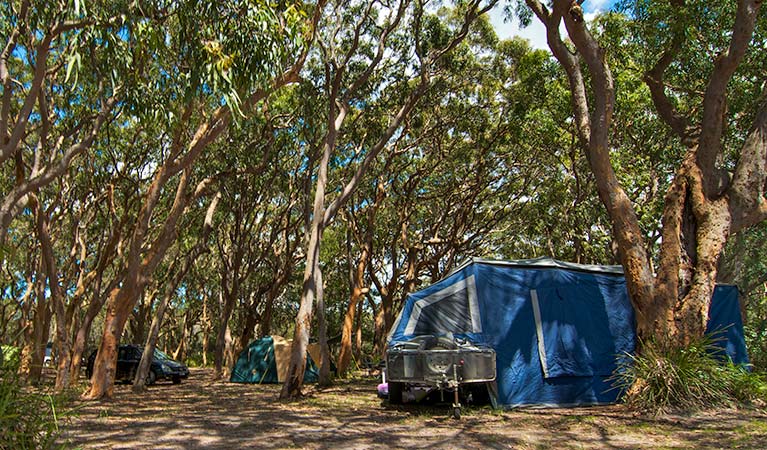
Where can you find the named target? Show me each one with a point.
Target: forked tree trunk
(141, 265)
(57, 300)
(358, 282)
(700, 209)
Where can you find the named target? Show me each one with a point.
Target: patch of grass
(750, 435)
(690, 378)
(644, 427)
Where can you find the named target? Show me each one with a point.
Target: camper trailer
(556, 332)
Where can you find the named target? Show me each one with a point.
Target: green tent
(266, 361)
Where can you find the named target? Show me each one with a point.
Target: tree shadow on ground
(200, 413)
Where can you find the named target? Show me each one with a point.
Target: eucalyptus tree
(696, 57)
(360, 221)
(175, 275)
(261, 217)
(59, 88)
(463, 176)
(201, 56)
(351, 51)
(51, 113)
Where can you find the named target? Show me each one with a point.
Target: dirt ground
(200, 413)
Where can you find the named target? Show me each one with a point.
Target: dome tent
(266, 361)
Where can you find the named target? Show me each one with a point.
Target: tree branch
(654, 81)
(748, 205)
(715, 100)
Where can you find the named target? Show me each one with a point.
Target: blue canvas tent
(558, 328)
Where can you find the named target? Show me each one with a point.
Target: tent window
(450, 310)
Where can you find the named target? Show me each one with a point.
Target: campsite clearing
(222, 415)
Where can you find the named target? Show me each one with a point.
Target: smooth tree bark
(36, 329)
(140, 377)
(91, 280)
(339, 103)
(57, 301)
(143, 257)
(26, 115)
(358, 288)
(234, 270)
(702, 207)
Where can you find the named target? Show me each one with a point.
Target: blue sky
(535, 33)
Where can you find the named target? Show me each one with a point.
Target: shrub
(694, 377)
(27, 419)
(9, 357)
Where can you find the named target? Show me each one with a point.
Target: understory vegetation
(27, 416)
(693, 378)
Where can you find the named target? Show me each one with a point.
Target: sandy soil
(200, 413)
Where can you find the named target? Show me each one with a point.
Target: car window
(160, 355)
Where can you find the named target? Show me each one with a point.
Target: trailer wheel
(395, 393)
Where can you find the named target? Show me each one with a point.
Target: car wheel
(176, 380)
(151, 377)
(395, 393)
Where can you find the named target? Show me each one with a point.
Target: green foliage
(9, 357)
(27, 419)
(689, 378)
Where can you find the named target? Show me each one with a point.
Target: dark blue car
(128, 357)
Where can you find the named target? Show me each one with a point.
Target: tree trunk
(381, 331)
(34, 350)
(80, 342)
(358, 332)
(105, 364)
(324, 362)
(339, 100)
(139, 379)
(345, 354)
(358, 281)
(57, 301)
(179, 354)
(206, 327)
(291, 389)
(265, 325)
(702, 207)
(221, 336)
(142, 371)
